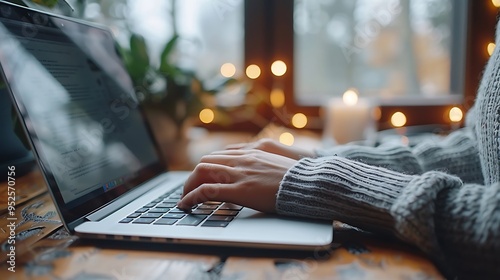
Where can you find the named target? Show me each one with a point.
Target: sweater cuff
(337, 188)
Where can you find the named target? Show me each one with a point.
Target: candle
(348, 119)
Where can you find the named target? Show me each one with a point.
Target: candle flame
(350, 97)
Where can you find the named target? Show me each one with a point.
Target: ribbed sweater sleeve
(455, 154)
(456, 224)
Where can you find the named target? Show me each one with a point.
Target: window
(279, 38)
(382, 48)
(449, 40)
(211, 32)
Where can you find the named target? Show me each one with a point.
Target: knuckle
(202, 168)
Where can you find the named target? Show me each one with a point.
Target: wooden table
(44, 250)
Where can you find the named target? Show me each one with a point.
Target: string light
(299, 120)
(287, 138)
(278, 68)
(456, 114)
(207, 115)
(398, 119)
(228, 70)
(277, 98)
(491, 47)
(253, 71)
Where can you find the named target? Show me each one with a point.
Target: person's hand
(275, 147)
(249, 178)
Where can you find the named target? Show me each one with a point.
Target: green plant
(175, 91)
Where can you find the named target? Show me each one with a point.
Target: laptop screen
(79, 107)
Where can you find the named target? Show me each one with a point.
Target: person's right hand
(275, 147)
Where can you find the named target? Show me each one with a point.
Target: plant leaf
(165, 66)
(47, 3)
(137, 59)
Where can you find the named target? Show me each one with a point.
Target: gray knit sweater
(442, 195)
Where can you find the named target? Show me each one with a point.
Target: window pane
(382, 48)
(211, 32)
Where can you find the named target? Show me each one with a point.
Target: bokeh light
(491, 48)
(350, 97)
(278, 68)
(228, 70)
(287, 138)
(456, 114)
(299, 120)
(277, 98)
(398, 119)
(207, 115)
(253, 71)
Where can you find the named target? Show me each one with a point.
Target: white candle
(348, 119)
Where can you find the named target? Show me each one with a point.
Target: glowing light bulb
(253, 71)
(350, 97)
(287, 138)
(456, 114)
(491, 47)
(207, 115)
(398, 119)
(278, 68)
(496, 3)
(299, 120)
(228, 70)
(277, 98)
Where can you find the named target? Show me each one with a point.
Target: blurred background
(304, 72)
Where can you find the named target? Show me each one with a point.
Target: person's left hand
(249, 178)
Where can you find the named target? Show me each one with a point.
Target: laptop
(96, 151)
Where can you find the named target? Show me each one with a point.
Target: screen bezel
(70, 212)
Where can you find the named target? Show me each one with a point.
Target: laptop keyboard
(163, 211)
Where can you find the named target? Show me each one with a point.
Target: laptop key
(230, 206)
(170, 200)
(166, 205)
(221, 218)
(126, 220)
(212, 203)
(208, 207)
(142, 210)
(151, 215)
(214, 224)
(174, 216)
(201, 212)
(177, 210)
(191, 220)
(165, 221)
(159, 210)
(143, 221)
(149, 205)
(134, 215)
(226, 212)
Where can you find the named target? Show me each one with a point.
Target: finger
(209, 173)
(236, 146)
(225, 153)
(207, 192)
